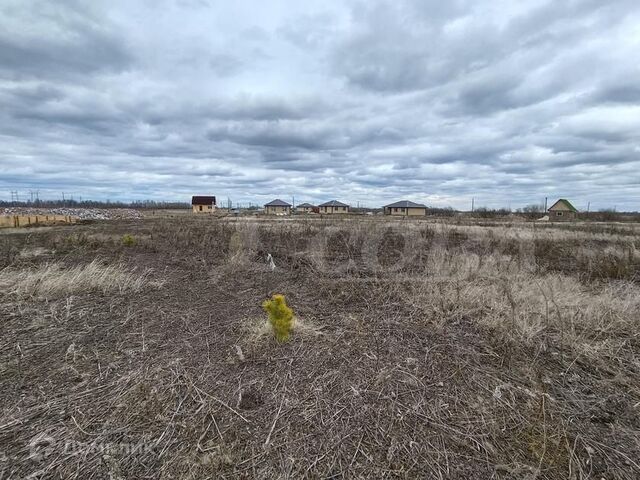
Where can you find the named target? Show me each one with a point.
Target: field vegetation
(442, 349)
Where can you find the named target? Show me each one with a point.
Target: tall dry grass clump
(53, 279)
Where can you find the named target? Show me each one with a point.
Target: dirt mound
(81, 213)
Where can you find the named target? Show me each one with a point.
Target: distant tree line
(441, 212)
(535, 211)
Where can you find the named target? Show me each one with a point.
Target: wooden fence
(15, 221)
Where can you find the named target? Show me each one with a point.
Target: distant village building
(307, 208)
(203, 204)
(405, 208)
(562, 211)
(277, 207)
(334, 206)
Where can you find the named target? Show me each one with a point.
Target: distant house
(203, 204)
(334, 206)
(562, 211)
(306, 208)
(277, 207)
(405, 208)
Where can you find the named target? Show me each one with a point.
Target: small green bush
(280, 317)
(128, 240)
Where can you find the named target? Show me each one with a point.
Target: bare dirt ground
(422, 349)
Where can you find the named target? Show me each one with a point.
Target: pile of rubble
(81, 213)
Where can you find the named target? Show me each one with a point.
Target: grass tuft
(52, 280)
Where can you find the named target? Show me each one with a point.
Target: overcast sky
(364, 101)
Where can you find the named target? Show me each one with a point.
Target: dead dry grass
(420, 350)
(54, 280)
(259, 330)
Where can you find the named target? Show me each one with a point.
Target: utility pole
(588, 207)
(545, 204)
(473, 201)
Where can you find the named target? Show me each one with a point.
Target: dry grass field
(421, 349)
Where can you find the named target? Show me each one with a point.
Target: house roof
(277, 203)
(405, 204)
(203, 200)
(566, 202)
(306, 205)
(334, 203)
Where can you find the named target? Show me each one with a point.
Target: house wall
(561, 215)
(406, 212)
(305, 209)
(202, 208)
(416, 212)
(276, 210)
(334, 209)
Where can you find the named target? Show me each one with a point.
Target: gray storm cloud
(507, 102)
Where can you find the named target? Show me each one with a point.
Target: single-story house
(306, 208)
(203, 204)
(277, 207)
(405, 208)
(334, 206)
(562, 211)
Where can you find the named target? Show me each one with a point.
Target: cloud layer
(368, 102)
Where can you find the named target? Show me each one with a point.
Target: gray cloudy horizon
(507, 102)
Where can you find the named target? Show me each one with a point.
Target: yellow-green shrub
(128, 240)
(280, 317)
